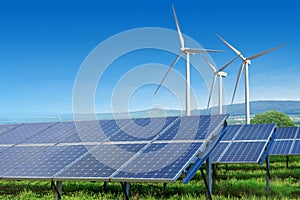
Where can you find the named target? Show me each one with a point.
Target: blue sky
(43, 44)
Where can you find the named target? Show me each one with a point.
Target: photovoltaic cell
(281, 147)
(47, 163)
(240, 152)
(159, 162)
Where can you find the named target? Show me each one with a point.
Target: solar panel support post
(287, 162)
(214, 174)
(165, 187)
(208, 178)
(105, 185)
(125, 187)
(268, 176)
(57, 188)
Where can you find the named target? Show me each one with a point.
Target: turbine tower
(220, 73)
(246, 61)
(187, 52)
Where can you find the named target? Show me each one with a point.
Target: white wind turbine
(187, 52)
(220, 73)
(246, 61)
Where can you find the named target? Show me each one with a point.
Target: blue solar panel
(247, 152)
(159, 161)
(296, 148)
(54, 134)
(3, 148)
(193, 128)
(20, 133)
(97, 164)
(231, 132)
(47, 163)
(13, 156)
(255, 132)
(218, 150)
(298, 133)
(6, 127)
(142, 129)
(281, 147)
(286, 132)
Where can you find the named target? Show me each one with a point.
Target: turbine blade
(192, 50)
(178, 28)
(265, 52)
(211, 90)
(209, 63)
(165, 76)
(230, 46)
(237, 81)
(227, 64)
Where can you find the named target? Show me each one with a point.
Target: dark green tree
(273, 116)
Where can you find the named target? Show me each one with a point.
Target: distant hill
(287, 107)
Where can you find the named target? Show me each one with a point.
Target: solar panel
(281, 147)
(47, 163)
(96, 165)
(286, 141)
(22, 132)
(54, 134)
(218, 150)
(255, 132)
(6, 127)
(286, 132)
(296, 148)
(3, 148)
(244, 144)
(158, 162)
(243, 152)
(193, 128)
(142, 129)
(231, 132)
(13, 156)
(298, 133)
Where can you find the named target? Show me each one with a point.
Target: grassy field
(235, 182)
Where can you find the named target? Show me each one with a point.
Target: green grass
(233, 182)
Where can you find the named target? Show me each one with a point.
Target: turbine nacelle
(248, 61)
(221, 73)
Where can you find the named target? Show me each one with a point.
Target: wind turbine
(187, 52)
(246, 61)
(220, 73)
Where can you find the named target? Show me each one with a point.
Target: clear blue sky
(43, 44)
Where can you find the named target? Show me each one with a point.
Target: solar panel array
(287, 141)
(244, 144)
(145, 149)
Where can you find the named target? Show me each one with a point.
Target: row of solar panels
(157, 149)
